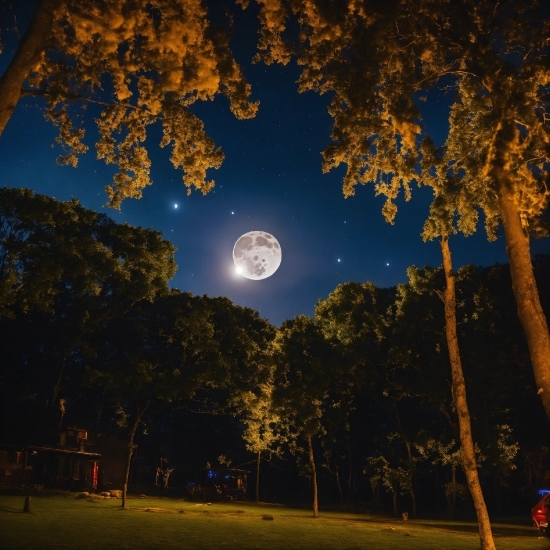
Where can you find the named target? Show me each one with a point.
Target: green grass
(63, 521)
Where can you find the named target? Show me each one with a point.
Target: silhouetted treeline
(357, 399)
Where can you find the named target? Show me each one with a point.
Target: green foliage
(50, 249)
(65, 271)
(302, 360)
(262, 421)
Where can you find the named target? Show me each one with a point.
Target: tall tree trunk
(314, 478)
(524, 285)
(413, 498)
(339, 484)
(451, 495)
(459, 397)
(411, 461)
(28, 53)
(131, 448)
(258, 459)
(57, 385)
(375, 491)
(350, 471)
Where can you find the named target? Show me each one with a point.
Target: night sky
(270, 180)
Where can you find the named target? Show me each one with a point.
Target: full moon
(257, 255)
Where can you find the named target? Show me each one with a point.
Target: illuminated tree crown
(143, 61)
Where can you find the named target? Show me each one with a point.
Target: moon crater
(257, 255)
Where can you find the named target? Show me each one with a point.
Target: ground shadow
(498, 530)
(11, 510)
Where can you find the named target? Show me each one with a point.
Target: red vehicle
(540, 511)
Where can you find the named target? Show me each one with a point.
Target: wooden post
(27, 506)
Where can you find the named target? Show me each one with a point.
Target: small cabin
(80, 461)
(220, 484)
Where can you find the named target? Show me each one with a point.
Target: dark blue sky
(270, 180)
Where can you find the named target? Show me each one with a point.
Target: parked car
(540, 511)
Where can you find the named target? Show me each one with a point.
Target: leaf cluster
(141, 62)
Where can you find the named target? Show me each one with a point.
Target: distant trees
(156, 352)
(48, 248)
(175, 350)
(65, 271)
(97, 339)
(142, 63)
(401, 379)
(262, 434)
(305, 366)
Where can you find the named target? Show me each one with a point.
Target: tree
(361, 318)
(162, 352)
(261, 434)
(395, 480)
(448, 455)
(355, 318)
(142, 63)
(357, 323)
(246, 341)
(380, 62)
(448, 296)
(205, 355)
(49, 247)
(64, 272)
(303, 360)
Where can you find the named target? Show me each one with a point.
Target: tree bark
(451, 495)
(412, 461)
(527, 297)
(258, 459)
(314, 478)
(339, 484)
(131, 448)
(28, 53)
(459, 397)
(375, 491)
(413, 498)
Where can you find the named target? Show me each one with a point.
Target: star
(176, 205)
(339, 260)
(388, 264)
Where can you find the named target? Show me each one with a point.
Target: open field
(63, 521)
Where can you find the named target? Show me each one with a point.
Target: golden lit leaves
(69, 138)
(408, 131)
(492, 148)
(376, 63)
(273, 19)
(261, 419)
(131, 157)
(357, 57)
(193, 150)
(146, 62)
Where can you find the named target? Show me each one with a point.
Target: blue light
(543, 492)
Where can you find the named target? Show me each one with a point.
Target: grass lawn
(63, 521)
